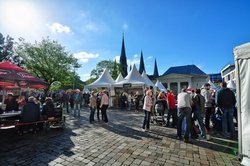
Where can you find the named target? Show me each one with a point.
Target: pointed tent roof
(231, 85)
(156, 74)
(142, 66)
(123, 59)
(212, 86)
(133, 77)
(159, 85)
(119, 78)
(105, 80)
(147, 80)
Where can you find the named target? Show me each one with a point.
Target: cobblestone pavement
(121, 142)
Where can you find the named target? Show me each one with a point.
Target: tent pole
(238, 93)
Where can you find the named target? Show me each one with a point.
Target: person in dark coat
(226, 102)
(48, 110)
(31, 111)
(29, 114)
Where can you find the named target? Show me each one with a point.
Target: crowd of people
(216, 109)
(201, 107)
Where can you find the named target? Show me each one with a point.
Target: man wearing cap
(11, 103)
(184, 110)
(208, 104)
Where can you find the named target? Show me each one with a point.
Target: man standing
(208, 104)
(184, 110)
(77, 102)
(226, 101)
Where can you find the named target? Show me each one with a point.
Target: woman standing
(147, 109)
(92, 105)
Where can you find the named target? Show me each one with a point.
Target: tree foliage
(111, 65)
(115, 71)
(48, 60)
(6, 47)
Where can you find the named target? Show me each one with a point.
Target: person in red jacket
(172, 111)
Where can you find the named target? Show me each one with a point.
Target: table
(10, 114)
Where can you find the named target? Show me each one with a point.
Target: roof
(147, 80)
(188, 69)
(159, 85)
(119, 78)
(105, 80)
(242, 51)
(133, 77)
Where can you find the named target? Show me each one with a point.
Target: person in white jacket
(147, 107)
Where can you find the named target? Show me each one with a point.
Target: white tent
(231, 85)
(105, 80)
(242, 64)
(148, 82)
(159, 85)
(133, 78)
(119, 78)
(212, 86)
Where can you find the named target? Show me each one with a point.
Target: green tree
(6, 47)
(95, 73)
(48, 60)
(115, 70)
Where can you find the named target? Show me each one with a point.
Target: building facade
(189, 76)
(228, 73)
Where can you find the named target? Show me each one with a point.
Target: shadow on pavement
(39, 148)
(126, 131)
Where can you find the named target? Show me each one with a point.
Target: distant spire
(142, 67)
(123, 59)
(156, 74)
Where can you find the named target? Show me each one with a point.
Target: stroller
(159, 110)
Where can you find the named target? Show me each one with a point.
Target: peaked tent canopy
(147, 80)
(159, 85)
(133, 77)
(231, 85)
(212, 86)
(12, 74)
(105, 80)
(119, 78)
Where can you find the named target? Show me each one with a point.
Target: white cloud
(125, 27)
(84, 77)
(85, 56)
(150, 57)
(136, 55)
(58, 28)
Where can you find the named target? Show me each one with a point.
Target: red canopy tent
(12, 75)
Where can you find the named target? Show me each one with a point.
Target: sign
(127, 85)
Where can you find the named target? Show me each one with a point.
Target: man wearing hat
(11, 103)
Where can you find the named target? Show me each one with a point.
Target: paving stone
(119, 143)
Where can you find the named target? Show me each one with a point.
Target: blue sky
(175, 32)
